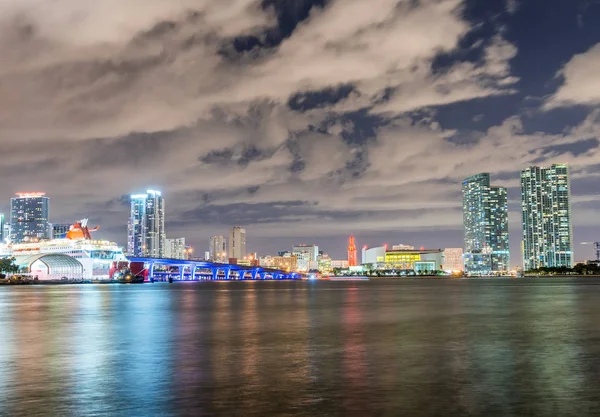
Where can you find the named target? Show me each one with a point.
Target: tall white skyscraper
(485, 218)
(218, 249)
(146, 228)
(546, 210)
(237, 243)
(29, 217)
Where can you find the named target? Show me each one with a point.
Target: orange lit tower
(351, 252)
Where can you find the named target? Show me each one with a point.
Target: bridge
(159, 269)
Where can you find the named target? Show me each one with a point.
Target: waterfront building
(324, 264)
(287, 263)
(453, 259)
(29, 217)
(146, 228)
(307, 256)
(485, 218)
(175, 248)
(546, 217)
(60, 230)
(266, 262)
(375, 257)
(351, 252)
(218, 249)
(339, 264)
(237, 243)
(417, 260)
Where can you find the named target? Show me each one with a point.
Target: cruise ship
(96, 256)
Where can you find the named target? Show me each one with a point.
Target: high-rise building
(485, 218)
(175, 248)
(237, 242)
(146, 228)
(29, 217)
(546, 217)
(218, 249)
(306, 256)
(2, 228)
(59, 230)
(351, 252)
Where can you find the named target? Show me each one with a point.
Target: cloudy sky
(303, 120)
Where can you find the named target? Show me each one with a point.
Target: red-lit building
(352, 252)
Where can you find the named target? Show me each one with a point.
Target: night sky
(302, 120)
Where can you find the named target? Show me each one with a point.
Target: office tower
(2, 225)
(29, 217)
(351, 252)
(146, 228)
(237, 243)
(306, 257)
(485, 218)
(218, 249)
(59, 230)
(546, 210)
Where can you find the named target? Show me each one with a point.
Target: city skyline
(494, 193)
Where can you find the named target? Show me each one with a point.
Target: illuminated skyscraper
(485, 218)
(351, 252)
(146, 228)
(546, 209)
(218, 249)
(29, 217)
(237, 242)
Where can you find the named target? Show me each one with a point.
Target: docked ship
(97, 257)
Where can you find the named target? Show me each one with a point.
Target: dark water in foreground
(385, 348)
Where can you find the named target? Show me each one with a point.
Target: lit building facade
(352, 252)
(146, 228)
(175, 248)
(29, 214)
(286, 262)
(237, 243)
(339, 264)
(417, 260)
(546, 217)
(324, 264)
(218, 249)
(485, 219)
(453, 259)
(306, 256)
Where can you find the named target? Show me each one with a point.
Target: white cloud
(581, 84)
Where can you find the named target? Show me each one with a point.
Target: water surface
(370, 348)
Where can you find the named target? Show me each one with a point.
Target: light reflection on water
(417, 348)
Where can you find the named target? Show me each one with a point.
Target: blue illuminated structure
(162, 269)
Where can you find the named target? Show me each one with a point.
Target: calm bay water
(376, 348)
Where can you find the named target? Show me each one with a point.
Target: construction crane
(596, 248)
